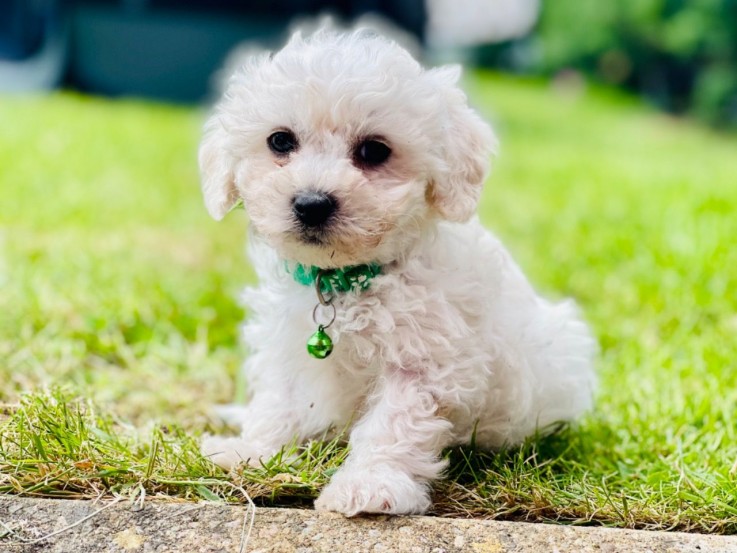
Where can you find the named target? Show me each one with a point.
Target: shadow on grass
(514, 483)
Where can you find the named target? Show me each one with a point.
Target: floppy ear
(216, 169)
(466, 146)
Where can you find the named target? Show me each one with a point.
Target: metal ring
(320, 296)
(314, 315)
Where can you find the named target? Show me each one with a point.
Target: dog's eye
(282, 142)
(371, 153)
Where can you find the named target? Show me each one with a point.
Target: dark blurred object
(152, 52)
(21, 29)
(32, 44)
(681, 54)
(166, 48)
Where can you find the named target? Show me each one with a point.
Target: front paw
(229, 452)
(378, 489)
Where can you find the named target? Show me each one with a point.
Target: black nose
(313, 208)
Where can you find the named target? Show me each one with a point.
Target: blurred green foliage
(681, 54)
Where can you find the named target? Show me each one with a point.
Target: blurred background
(681, 55)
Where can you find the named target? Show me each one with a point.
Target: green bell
(320, 345)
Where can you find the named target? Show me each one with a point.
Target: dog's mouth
(327, 249)
(311, 236)
(313, 239)
(332, 242)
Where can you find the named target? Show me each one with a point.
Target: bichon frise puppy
(382, 300)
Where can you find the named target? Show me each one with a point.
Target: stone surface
(81, 527)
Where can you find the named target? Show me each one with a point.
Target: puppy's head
(343, 149)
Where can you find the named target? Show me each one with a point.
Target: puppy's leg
(267, 426)
(395, 452)
(288, 405)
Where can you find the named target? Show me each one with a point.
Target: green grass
(118, 310)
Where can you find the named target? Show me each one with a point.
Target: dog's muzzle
(313, 209)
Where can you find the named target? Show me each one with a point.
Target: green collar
(346, 279)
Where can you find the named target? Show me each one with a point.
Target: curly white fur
(449, 341)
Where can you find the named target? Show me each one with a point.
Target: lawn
(119, 311)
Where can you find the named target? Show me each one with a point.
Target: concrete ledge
(34, 525)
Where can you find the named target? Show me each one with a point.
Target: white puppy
(352, 159)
